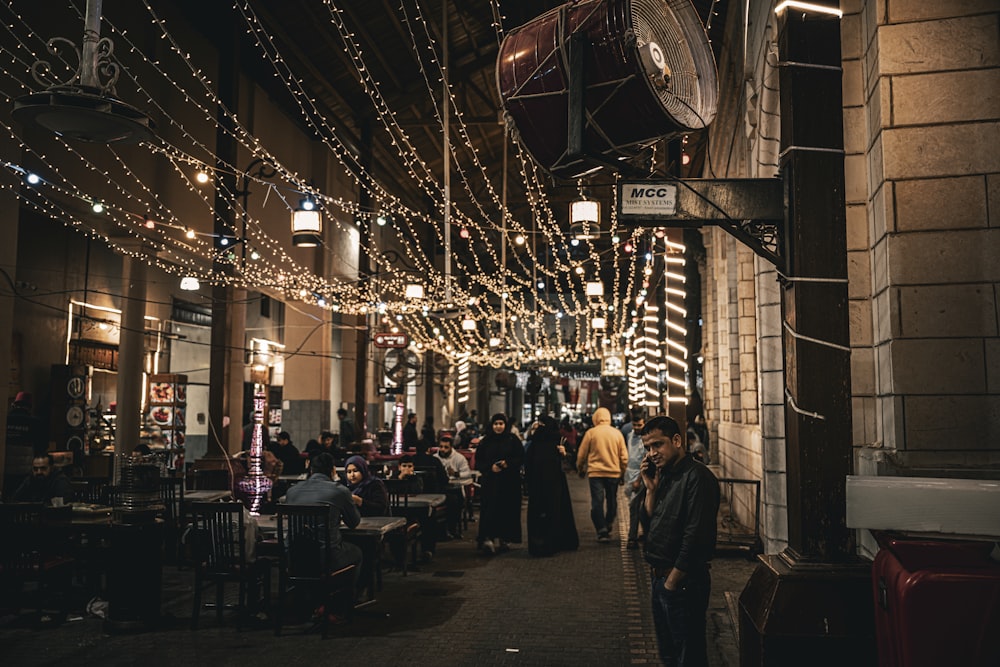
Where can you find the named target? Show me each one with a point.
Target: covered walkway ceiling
(365, 78)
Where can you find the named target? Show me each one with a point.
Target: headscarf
(366, 475)
(548, 429)
(499, 417)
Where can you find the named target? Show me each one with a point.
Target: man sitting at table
(435, 477)
(320, 487)
(456, 466)
(412, 484)
(288, 454)
(44, 484)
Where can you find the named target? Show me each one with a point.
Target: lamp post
(258, 168)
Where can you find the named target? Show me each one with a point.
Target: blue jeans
(603, 489)
(679, 619)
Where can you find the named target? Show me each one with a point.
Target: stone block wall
(922, 128)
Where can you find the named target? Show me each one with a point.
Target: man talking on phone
(682, 501)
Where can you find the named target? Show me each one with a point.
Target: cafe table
(368, 535)
(207, 495)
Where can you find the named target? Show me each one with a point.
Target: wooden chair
(94, 490)
(218, 536)
(409, 537)
(172, 498)
(305, 557)
(29, 552)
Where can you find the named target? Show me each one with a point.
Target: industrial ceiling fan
(592, 83)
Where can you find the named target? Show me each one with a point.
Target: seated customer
(406, 472)
(415, 483)
(455, 464)
(287, 453)
(435, 477)
(457, 468)
(320, 488)
(369, 492)
(44, 484)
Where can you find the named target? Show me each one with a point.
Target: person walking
(498, 458)
(603, 459)
(682, 500)
(634, 488)
(551, 527)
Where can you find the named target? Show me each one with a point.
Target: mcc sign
(647, 199)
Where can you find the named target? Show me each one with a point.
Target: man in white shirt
(457, 467)
(455, 464)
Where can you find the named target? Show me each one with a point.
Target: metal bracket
(751, 209)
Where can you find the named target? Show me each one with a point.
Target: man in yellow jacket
(603, 458)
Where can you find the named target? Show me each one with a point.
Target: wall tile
(931, 46)
(921, 10)
(945, 97)
(941, 203)
(952, 422)
(938, 366)
(943, 150)
(944, 257)
(933, 311)
(862, 370)
(860, 313)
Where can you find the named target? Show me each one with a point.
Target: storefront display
(166, 411)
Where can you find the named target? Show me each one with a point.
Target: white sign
(643, 198)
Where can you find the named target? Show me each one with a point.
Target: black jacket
(682, 530)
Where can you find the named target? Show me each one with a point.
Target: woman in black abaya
(498, 458)
(551, 526)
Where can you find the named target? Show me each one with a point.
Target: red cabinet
(937, 602)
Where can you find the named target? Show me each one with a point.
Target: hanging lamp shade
(584, 219)
(307, 227)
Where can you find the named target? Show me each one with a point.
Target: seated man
(320, 487)
(44, 484)
(457, 468)
(407, 473)
(287, 453)
(410, 483)
(435, 477)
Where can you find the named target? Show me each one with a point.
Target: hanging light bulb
(97, 207)
(381, 220)
(201, 176)
(32, 178)
(519, 239)
(468, 324)
(189, 233)
(464, 232)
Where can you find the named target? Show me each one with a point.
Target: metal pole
(91, 36)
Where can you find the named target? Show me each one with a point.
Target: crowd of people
(673, 498)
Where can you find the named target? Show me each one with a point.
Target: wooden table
(367, 535)
(206, 496)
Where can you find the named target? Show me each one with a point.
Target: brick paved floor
(588, 607)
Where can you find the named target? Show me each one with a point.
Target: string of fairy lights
(172, 225)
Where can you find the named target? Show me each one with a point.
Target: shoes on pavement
(603, 537)
(489, 547)
(632, 544)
